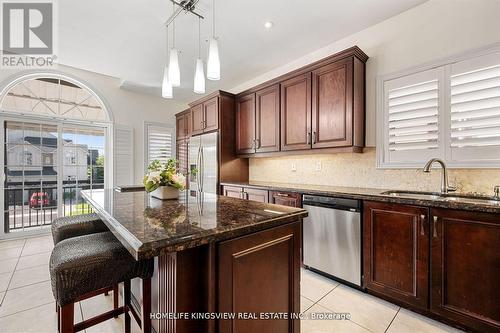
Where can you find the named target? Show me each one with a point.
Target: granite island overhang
(214, 255)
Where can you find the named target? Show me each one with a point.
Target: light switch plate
(294, 167)
(318, 166)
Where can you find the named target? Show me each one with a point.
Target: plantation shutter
(123, 144)
(160, 141)
(412, 104)
(475, 109)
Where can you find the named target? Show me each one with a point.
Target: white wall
(431, 31)
(128, 108)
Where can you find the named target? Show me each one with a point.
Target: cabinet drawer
(286, 198)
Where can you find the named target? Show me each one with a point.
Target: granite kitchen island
(213, 255)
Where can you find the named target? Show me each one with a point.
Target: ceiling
(126, 39)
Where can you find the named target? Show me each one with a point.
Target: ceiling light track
(187, 6)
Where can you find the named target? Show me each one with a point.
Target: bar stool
(82, 267)
(74, 226)
(78, 225)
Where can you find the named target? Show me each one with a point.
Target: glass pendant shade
(166, 86)
(213, 62)
(174, 72)
(199, 78)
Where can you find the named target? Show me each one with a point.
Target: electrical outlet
(318, 166)
(294, 167)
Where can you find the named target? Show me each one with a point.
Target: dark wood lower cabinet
(285, 198)
(396, 252)
(260, 273)
(451, 256)
(256, 194)
(465, 268)
(233, 191)
(247, 193)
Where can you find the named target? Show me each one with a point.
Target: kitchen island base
(253, 276)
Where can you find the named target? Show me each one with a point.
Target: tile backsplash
(359, 170)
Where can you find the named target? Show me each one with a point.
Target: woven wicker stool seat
(81, 267)
(74, 226)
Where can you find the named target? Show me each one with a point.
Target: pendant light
(166, 86)
(213, 62)
(199, 74)
(174, 71)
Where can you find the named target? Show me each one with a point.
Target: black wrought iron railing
(34, 206)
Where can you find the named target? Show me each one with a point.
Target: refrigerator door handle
(198, 166)
(202, 167)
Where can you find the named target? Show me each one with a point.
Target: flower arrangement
(163, 175)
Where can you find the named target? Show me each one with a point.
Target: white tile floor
(27, 304)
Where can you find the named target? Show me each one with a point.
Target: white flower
(154, 177)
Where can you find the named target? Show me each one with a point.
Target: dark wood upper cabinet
(465, 268)
(197, 119)
(267, 118)
(211, 114)
(183, 124)
(332, 116)
(396, 252)
(317, 108)
(245, 124)
(205, 116)
(296, 113)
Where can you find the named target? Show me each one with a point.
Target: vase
(166, 193)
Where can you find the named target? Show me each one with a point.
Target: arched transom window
(54, 97)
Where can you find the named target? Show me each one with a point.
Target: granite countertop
(148, 227)
(376, 195)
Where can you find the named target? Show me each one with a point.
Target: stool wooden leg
(146, 306)
(58, 318)
(126, 302)
(67, 318)
(116, 293)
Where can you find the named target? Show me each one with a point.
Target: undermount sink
(474, 198)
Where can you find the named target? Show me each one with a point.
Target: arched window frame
(13, 81)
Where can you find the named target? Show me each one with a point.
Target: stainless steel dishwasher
(332, 237)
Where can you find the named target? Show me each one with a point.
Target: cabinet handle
(314, 137)
(308, 138)
(422, 221)
(257, 143)
(434, 233)
(282, 195)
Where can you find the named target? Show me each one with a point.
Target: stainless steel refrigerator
(203, 163)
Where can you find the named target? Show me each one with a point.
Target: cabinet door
(332, 109)
(211, 114)
(260, 273)
(197, 120)
(296, 113)
(396, 252)
(182, 155)
(181, 126)
(233, 191)
(465, 266)
(189, 124)
(245, 124)
(256, 195)
(268, 119)
(286, 199)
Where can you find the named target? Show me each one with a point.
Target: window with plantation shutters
(450, 110)
(475, 109)
(160, 141)
(412, 106)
